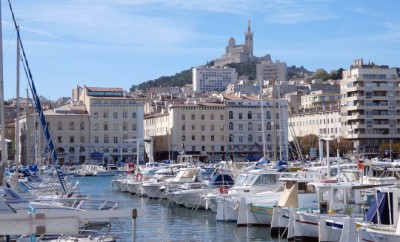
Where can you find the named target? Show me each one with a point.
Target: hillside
(185, 77)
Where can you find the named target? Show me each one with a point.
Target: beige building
(323, 122)
(321, 99)
(98, 124)
(231, 127)
(272, 71)
(370, 108)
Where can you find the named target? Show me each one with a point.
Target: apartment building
(272, 71)
(323, 122)
(209, 79)
(228, 128)
(370, 108)
(321, 99)
(100, 124)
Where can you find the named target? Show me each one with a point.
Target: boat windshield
(11, 196)
(240, 179)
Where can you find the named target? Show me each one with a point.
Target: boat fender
(139, 176)
(223, 190)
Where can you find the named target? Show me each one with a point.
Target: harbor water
(159, 220)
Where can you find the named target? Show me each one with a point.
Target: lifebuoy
(139, 177)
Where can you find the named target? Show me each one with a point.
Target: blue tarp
(379, 204)
(253, 157)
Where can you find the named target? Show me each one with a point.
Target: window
(268, 126)
(240, 139)
(268, 137)
(240, 126)
(250, 138)
(212, 116)
(96, 139)
(95, 115)
(105, 138)
(193, 127)
(203, 138)
(105, 114)
(193, 137)
(202, 128)
(134, 115)
(249, 115)
(82, 139)
(115, 115)
(82, 125)
(105, 126)
(71, 139)
(222, 138)
(230, 126)
(202, 117)
(259, 127)
(268, 115)
(183, 127)
(221, 117)
(124, 127)
(193, 117)
(59, 139)
(203, 148)
(183, 138)
(96, 127)
(231, 138)
(124, 114)
(240, 115)
(115, 127)
(134, 127)
(59, 126)
(183, 116)
(212, 137)
(212, 127)
(230, 114)
(115, 140)
(71, 125)
(250, 126)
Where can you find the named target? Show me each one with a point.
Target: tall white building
(209, 79)
(370, 106)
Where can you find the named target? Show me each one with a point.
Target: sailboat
(19, 216)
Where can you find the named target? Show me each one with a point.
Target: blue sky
(117, 43)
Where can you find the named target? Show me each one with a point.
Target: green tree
(337, 75)
(321, 74)
(345, 146)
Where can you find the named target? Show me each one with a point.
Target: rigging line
(37, 100)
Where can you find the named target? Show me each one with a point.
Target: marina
(159, 220)
(204, 164)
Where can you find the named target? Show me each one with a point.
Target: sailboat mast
(262, 119)
(17, 145)
(2, 121)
